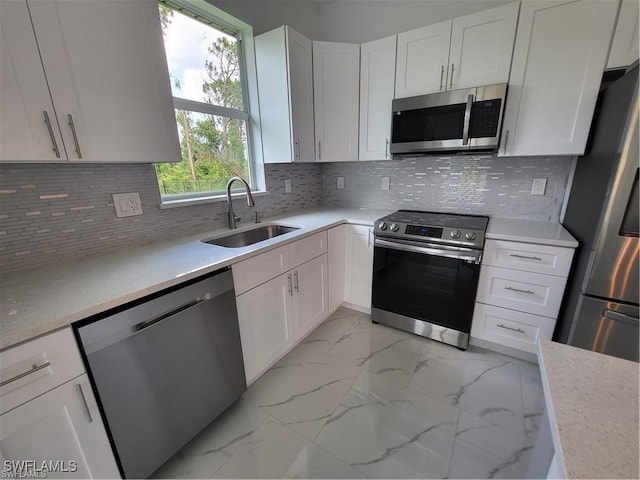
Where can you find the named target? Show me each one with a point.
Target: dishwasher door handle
(148, 323)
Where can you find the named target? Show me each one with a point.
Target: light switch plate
(340, 183)
(538, 186)
(287, 186)
(385, 183)
(127, 204)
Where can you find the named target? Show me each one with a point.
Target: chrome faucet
(233, 219)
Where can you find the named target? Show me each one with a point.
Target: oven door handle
(470, 256)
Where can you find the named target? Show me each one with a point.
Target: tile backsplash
(490, 185)
(55, 213)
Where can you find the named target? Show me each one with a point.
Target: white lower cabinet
(278, 312)
(358, 260)
(517, 305)
(50, 420)
(335, 245)
(60, 431)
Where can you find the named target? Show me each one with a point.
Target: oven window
(429, 124)
(438, 290)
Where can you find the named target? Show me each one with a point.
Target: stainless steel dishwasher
(164, 368)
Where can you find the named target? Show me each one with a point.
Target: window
(208, 82)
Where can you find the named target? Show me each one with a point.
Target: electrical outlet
(538, 186)
(127, 204)
(385, 183)
(340, 183)
(287, 186)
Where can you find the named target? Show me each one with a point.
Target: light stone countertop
(547, 233)
(38, 301)
(592, 404)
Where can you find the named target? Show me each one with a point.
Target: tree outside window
(206, 81)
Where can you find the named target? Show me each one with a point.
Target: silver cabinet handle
(525, 256)
(290, 289)
(451, 82)
(386, 148)
(441, 76)
(53, 138)
(296, 281)
(369, 238)
(85, 406)
(467, 120)
(506, 141)
(75, 136)
(528, 292)
(319, 151)
(34, 369)
(519, 330)
(296, 149)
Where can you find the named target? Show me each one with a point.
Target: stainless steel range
(425, 273)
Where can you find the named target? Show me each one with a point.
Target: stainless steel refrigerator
(600, 310)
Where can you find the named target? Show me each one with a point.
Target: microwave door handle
(467, 120)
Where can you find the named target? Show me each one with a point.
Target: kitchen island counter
(592, 406)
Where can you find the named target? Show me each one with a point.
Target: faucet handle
(257, 219)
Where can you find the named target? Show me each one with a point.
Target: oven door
(426, 282)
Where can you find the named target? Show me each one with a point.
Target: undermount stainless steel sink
(249, 237)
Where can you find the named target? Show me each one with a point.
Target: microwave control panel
(485, 116)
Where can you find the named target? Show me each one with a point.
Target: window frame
(210, 15)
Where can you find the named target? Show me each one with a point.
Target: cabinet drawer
(510, 328)
(304, 250)
(38, 366)
(529, 257)
(254, 271)
(523, 291)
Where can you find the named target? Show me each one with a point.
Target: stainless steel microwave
(460, 120)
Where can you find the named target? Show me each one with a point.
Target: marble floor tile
(360, 400)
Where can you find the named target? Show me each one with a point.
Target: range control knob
(470, 236)
(394, 227)
(382, 226)
(455, 233)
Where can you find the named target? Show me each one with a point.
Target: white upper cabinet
(336, 82)
(285, 85)
(481, 47)
(377, 81)
(423, 60)
(625, 49)
(110, 90)
(464, 52)
(558, 60)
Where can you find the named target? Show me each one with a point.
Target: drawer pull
(519, 330)
(85, 405)
(34, 369)
(528, 292)
(526, 256)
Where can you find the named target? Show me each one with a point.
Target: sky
(186, 41)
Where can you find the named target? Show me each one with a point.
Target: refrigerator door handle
(619, 317)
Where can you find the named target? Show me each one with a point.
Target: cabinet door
(625, 49)
(560, 52)
(265, 318)
(336, 79)
(423, 57)
(377, 81)
(24, 95)
(62, 427)
(310, 295)
(301, 88)
(336, 267)
(106, 70)
(358, 253)
(481, 47)
(285, 83)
